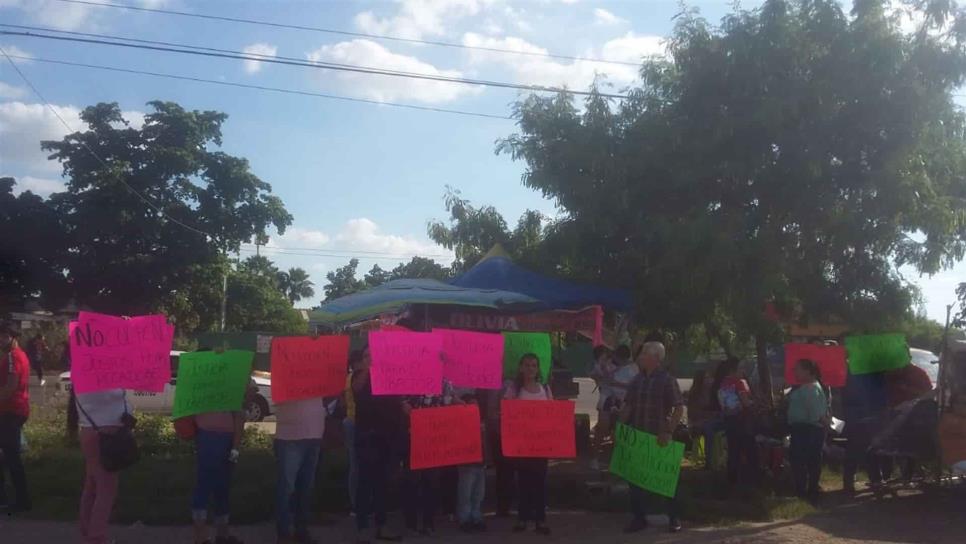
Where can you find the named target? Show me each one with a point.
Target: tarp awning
(395, 295)
(496, 271)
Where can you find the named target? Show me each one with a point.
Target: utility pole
(224, 298)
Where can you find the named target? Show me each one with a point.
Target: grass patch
(157, 490)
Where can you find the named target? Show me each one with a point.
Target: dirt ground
(922, 518)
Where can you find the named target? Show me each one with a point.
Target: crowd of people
(638, 391)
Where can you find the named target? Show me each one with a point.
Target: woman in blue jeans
(299, 427)
(216, 443)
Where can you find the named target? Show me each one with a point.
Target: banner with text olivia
(109, 352)
(406, 363)
(446, 436)
(304, 367)
(472, 359)
(830, 361)
(209, 381)
(640, 460)
(538, 428)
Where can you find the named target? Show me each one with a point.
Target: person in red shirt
(906, 383)
(14, 410)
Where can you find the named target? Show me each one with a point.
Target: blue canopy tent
(497, 271)
(395, 295)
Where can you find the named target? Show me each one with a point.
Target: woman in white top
(99, 412)
(531, 472)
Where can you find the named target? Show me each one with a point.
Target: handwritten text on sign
(304, 367)
(537, 428)
(109, 352)
(472, 359)
(640, 460)
(211, 382)
(405, 363)
(518, 344)
(446, 436)
(876, 353)
(830, 361)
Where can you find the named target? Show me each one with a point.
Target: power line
(351, 34)
(103, 39)
(47, 104)
(260, 87)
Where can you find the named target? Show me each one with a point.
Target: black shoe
(467, 527)
(542, 529)
(386, 537)
(520, 527)
(674, 526)
(636, 525)
(479, 527)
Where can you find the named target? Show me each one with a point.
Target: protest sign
(640, 460)
(405, 363)
(304, 367)
(534, 428)
(876, 353)
(472, 359)
(830, 361)
(518, 344)
(441, 437)
(209, 381)
(109, 352)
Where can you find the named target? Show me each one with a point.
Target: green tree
(32, 241)
(255, 304)
(259, 265)
(296, 285)
(793, 154)
(134, 222)
(420, 267)
(342, 281)
(376, 276)
(472, 231)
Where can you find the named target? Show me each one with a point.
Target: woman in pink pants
(100, 412)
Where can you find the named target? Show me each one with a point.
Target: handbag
(118, 450)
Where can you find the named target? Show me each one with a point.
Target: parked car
(927, 361)
(258, 404)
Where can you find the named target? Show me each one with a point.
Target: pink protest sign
(110, 352)
(472, 359)
(406, 363)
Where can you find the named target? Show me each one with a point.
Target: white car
(257, 408)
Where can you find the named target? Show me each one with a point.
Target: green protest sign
(518, 344)
(639, 459)
(876, 353)
(211, 382)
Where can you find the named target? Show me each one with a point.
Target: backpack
(729, 400)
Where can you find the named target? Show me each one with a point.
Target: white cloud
(154, 4)
(15, 51)
(38, 186)
(24, 125)
(58, 14)
(297, 237)
(576, 75)
(604, 17)
(364, 234)
(258, 50)
(569, 2)
(416, 19)
(11, 91)
(386, 88)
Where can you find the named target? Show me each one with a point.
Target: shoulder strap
(80, 407)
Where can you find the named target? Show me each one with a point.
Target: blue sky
(356, 177)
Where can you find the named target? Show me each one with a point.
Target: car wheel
(257, 409)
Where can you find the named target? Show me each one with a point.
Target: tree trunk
(764, 370)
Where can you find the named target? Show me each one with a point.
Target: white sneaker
(43, 383)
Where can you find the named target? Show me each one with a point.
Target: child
(807, 419)
(472, 483)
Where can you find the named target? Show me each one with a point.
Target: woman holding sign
(808, 416)
(217, 440)
(531, 472)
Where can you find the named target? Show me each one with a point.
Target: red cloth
(16, 366)
(907, 383)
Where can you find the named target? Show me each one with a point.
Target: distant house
(31, 315)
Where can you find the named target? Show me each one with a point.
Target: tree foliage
(343, 281)
(296, 285)
(131, 222)
(472, 231)
(793, 154)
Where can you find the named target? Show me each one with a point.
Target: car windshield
(926, 361)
